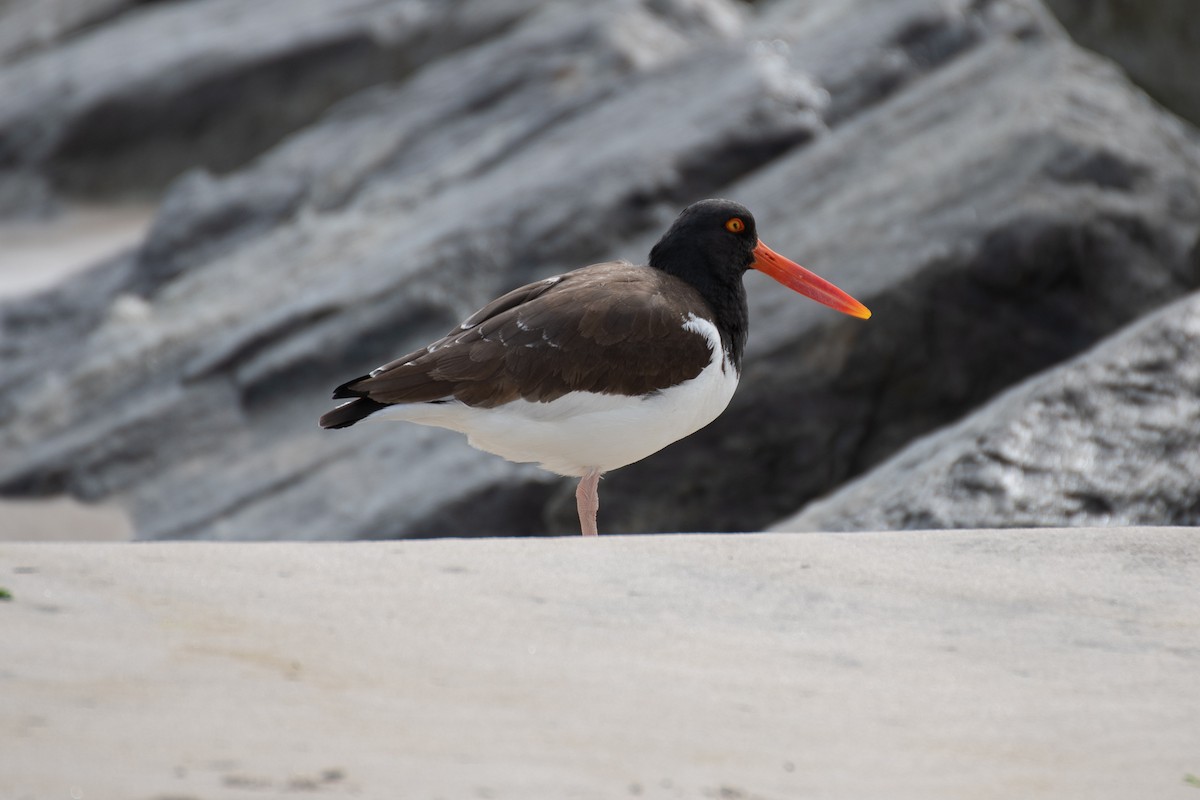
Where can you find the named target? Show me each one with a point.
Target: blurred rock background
(333, 181)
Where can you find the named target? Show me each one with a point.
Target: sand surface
(1053, 663)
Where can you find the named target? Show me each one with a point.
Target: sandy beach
(922, 665)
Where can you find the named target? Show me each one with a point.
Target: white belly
(582, 431)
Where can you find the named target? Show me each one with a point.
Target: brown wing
(610, 328)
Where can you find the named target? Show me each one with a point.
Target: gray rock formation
(1110, 438)
(997, 216)
(1154, 40)
(127, 106)
(29, 26)
(1000, 199)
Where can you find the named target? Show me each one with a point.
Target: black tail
(349, 413)
(347, 390)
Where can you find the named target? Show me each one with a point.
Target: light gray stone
(27, 26)
(1110, 438)
(126, 106)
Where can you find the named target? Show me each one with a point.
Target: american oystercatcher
(600, 367)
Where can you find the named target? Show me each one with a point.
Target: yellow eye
(735, 225)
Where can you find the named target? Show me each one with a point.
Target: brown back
(611, 328)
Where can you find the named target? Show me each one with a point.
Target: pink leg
(587, 499)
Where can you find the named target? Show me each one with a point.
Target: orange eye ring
(735, 225)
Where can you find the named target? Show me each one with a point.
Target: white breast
(583, 431)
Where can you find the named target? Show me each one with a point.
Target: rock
(1110, 438)
(26, 195)
(27, 26)
(471, 117)
(210, 84)
(998, 216)
(999, 198)
(1154, 40)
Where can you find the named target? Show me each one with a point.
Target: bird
(600, 367)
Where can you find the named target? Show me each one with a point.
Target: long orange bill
(809, 284)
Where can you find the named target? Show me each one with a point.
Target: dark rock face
(1154, 40)
(1000, 199)
(1110, 438)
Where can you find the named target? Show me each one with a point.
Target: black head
(711, 239)
(713, 243)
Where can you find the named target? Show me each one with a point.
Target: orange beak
(798, 279)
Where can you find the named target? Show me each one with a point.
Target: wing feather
(608, 328)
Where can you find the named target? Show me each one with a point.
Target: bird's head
(715, 237)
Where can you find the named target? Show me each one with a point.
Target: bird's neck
(725, 295)
(731, 316)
